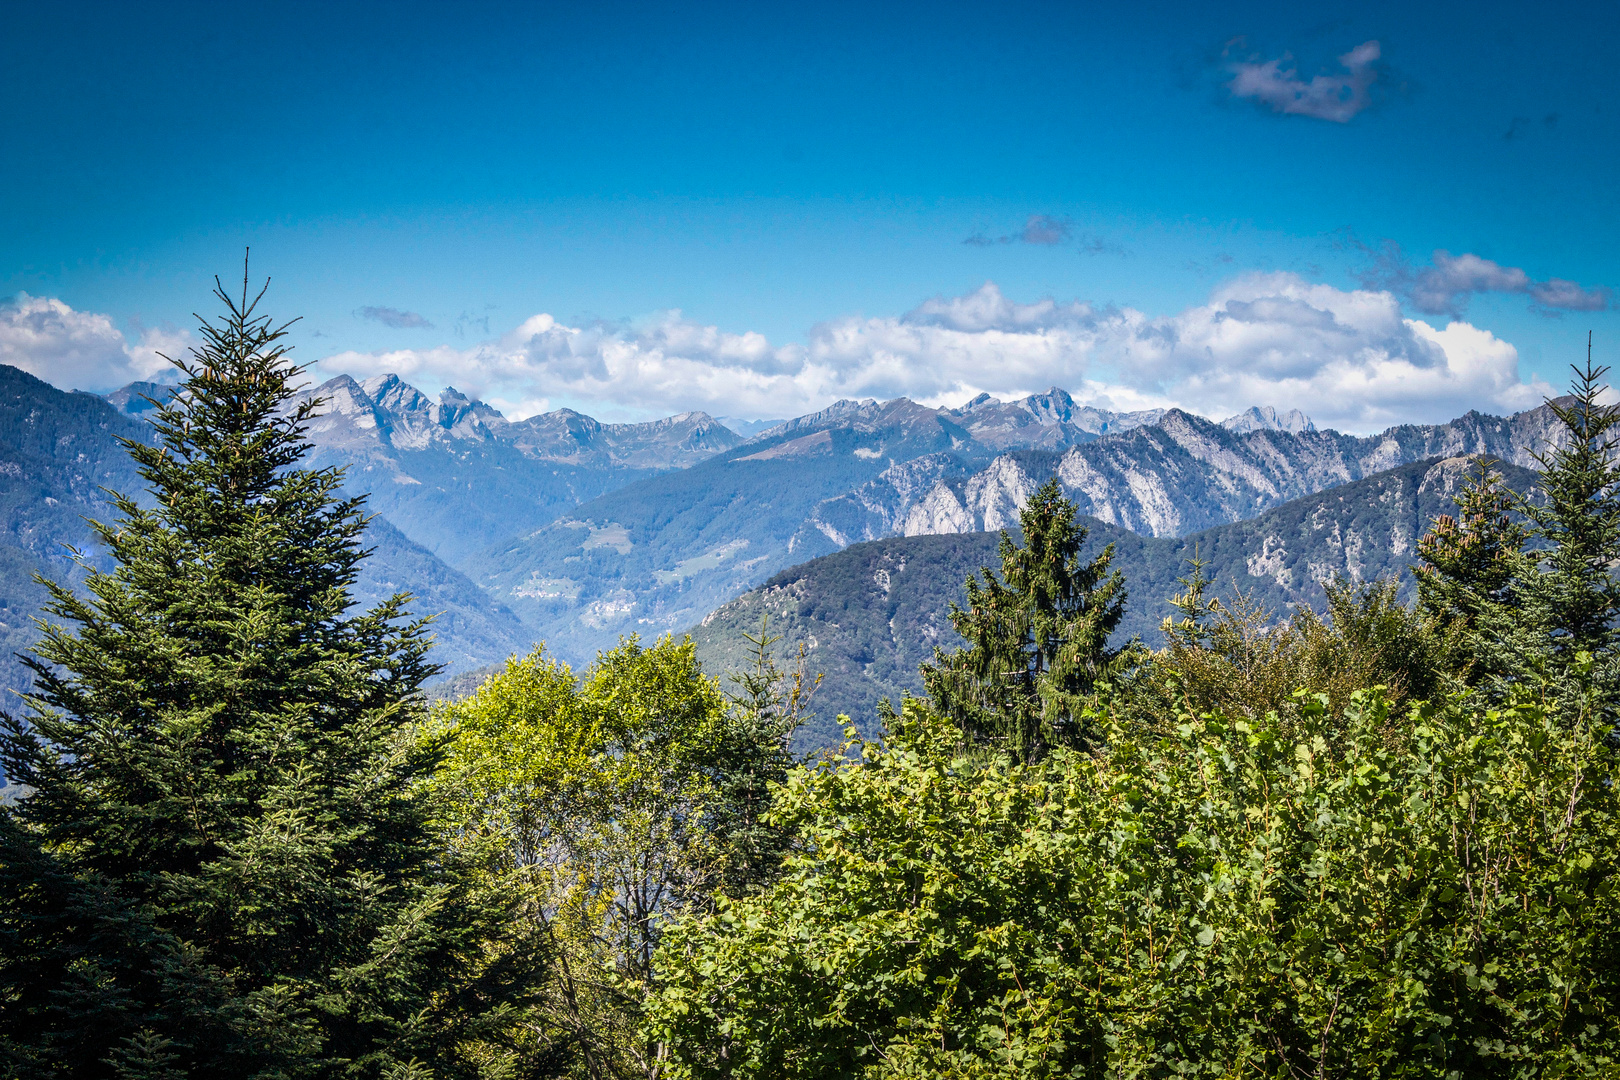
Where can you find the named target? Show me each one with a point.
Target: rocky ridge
(1178, 475)
(686, 541)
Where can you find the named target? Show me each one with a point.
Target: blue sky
(823, 193)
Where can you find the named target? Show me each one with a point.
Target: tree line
(1374, 841)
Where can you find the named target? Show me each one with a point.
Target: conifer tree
(1573, 602)
(1038, 637)
(225, 867)
(1468, 579)
(752, 754)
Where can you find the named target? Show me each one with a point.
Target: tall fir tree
(1525, 584)
(1037, 638)
(1573, 600)
(223, 867)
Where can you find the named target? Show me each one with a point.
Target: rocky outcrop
(1182, 473)
(1044, 421)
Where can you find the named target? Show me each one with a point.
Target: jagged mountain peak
(842, 409)
(384, 414)
(1267, 418)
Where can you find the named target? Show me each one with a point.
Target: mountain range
(565, 529)
(458, 476)
(661, 552)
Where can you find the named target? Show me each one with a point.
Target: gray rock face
(1180, 474)
(1266, 418)
(1043, 421)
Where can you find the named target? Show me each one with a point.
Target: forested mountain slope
(58, 451)
(870, 614)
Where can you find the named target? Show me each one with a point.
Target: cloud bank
(1346, 357)
(1276, 84)
(81, 350)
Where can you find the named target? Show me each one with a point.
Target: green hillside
(868, 615)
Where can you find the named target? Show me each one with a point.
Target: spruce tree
(1469, 579)
(751, 757)
(1037, 638)
(1573, 602)
(224, 867)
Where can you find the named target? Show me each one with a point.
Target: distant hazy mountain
(59, 450)
(748, 428)
(456, 476)
(1045, 421)
(870, 614)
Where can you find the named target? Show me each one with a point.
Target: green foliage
(1527, 586)
(1037, 637)
(1469, 574)
(223, 868)
(1235, 657)
(1226, 900)
(767, 708)
(611, 803)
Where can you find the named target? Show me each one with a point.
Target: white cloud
(1276, 83)
(1347, 358)
(80, 349)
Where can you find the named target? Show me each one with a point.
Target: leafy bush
(1227, 899)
